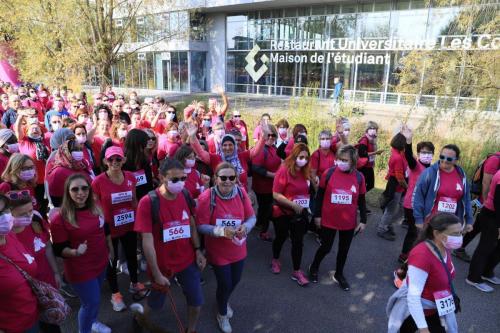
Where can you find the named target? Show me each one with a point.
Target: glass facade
(404, 19)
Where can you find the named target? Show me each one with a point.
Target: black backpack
(332, 169)
(477, 179)
(155, 205)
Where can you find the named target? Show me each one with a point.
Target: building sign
(368, 51)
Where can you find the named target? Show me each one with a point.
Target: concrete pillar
(216, 56)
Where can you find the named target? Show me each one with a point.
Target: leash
(167, 291)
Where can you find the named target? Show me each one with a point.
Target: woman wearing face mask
(196, 182)
(431, 298)
(341, 136)
(165, 115)
(31, 143)
(102, 134)
(397, 176)
(425, 152)
(264, 167)
(228, 153)
(103, 112)
(20, 174)
(282, 126)
(118, 132)
(341, 193)
(81, 238)
(152, 150)
(33, 232)
(115, 193)
(67, 161)
(19, 306)
(135, 150)
(205, 128)
(225, 215)
(214, 141)
(85, 140)
(8, 146)
(55, 123)
(367, 150)
(237, 123)
(257, 132)
(169, 142)
(290, 215)
(323, 157)
(298, 129)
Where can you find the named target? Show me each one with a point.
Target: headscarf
(42, 153)
(63, 158)
(5, 135)
(233, 158)
(58, 138)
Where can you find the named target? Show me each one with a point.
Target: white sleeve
(417, 278)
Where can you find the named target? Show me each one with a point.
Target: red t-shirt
(56, 179)
(212, 148)
(91, 229)
(97, 147)
(167, 148)
(194, 185)
(321, 162)
(491, 194)
(7, 187)
(437, 279)
(268, 159)
(36, 244)
(289, 146)
(19, 306)
(398, 167)
(450, 192)
(492, 164)
(3, 162)
(244, 156)
(220, 250)
(242, 127)
(171, 235)
(293, 188)
(340, 203)
(117, 202)
(370, 149)
(412, 182)
(29, 148)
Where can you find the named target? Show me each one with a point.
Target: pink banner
(7, 72)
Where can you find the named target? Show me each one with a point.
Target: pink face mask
(343, 166)
(175, 188)
(22, 221)
(325, 143)
(453, 242)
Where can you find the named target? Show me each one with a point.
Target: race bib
(124, 218)
(341, 198)
(175, 233)
(447, 205)
(235, 223)
(302, 202)
(120, 197)
(140, 177)
(444, 302)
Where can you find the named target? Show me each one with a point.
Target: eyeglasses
(171, 112)
(237, 116)
(271, 135)
(152, 138)
(177, 179)
(302, 158)
(16, 195)
(225, 178)
(447, 158)
(115, 159)
(77, 189)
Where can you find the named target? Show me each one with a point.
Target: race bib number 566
(177, 232)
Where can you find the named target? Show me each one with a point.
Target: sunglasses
(77, 189)
(225, 178)
(447, 158)
(302, 158)
(237, 116)
(171, 112)
(152, 138)
(177, 179)
(115, 159)
(16, 195)
(271, 135)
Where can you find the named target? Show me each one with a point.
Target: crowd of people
(89, 189)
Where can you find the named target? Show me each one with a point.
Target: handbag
(52, 306)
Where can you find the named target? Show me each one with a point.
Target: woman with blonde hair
(20, 174)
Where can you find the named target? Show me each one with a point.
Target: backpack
(477, 179)
(332, 169)
(155, 205)
(213, 201)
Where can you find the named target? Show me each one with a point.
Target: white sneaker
(99, 327)
(124, 268)
(230, 311)
(481, 286)
(117, 302)
(136, 307)
(224, 324)
(493, 279)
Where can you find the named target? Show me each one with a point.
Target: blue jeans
(227, 277)
(34, 329)
(89, 293)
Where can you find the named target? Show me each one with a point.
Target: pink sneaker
(300, 278)
(275, 266)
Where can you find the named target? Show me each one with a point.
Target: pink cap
(113, 151)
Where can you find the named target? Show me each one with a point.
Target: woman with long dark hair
(137, 163)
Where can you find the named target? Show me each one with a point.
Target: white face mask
(372, 132)
(170, 116)
(282, 131)
(122, 133)
(77, 155)
(55, 126)
(425, 158)
(13, 148)
(190, 163)
(325, 143)
(301, 163)
(346, 133)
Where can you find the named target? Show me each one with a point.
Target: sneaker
(224, 324)
(493, 279)
(397, 280)
(229, 311)
(481, 286)
(386, 235)
(275, 266)
(138, 289)
(137, 308)
(67, 290)
(265, 236)
(117, 301)
(300, 278)
(461, 254)
(124, 268)
(340, 279)
(313, 276)
(98, 327)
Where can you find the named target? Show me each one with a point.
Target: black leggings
(411, 234)
(468, 237)
(433, 323)
(327, 236)
(284, 226)
(487, 254)
(369, 177)
(129, 246)
(264, 213)
(48, 328)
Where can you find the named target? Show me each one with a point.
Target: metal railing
(377, 97)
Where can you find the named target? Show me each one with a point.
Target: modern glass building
(287, 40)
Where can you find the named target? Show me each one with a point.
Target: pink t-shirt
(450, 192)
(414, 174)
(489, 203)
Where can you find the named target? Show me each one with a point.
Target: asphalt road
(264, 302)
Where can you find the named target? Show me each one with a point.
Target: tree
(55, 40)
